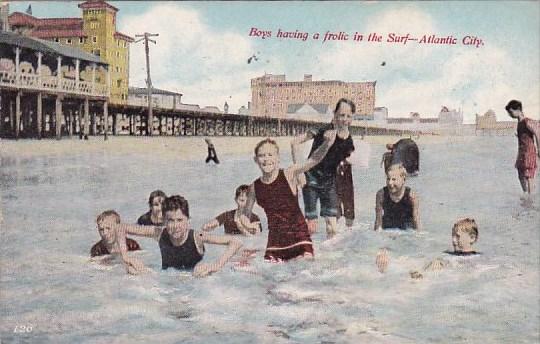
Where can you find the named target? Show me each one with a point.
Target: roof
(49, 27)
(119, 35)
(48, 47)
(99, 4)
(143, 90)
(320, 108)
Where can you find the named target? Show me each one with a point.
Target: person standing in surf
(527, 134)
(276, 191)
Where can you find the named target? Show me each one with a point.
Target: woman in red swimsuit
(527, 134)
(276, 191)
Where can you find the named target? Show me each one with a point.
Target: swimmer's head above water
(464, 235)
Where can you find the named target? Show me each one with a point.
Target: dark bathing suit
(146, 220)
(183, 257)
(100, 249)
(397, 214)
(226, 220)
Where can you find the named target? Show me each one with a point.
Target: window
(81, 40)
(117, 54)
(117, 69)
(96, 52)
(125, 44)
(56, 39)
(94, 39)
(118, 43)
(119, 83)
(69, 41)
(94, 25)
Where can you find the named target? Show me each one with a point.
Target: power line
(145, 37)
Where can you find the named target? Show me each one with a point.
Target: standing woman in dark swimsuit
(527, 134)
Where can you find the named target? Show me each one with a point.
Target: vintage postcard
(269, 172)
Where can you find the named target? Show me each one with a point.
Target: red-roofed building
(95, 33)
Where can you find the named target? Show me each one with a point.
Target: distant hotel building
(488, 125)
(273, 96)
(138, 96)
(95, 33)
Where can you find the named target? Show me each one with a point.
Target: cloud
(422, 78)
(209, 67)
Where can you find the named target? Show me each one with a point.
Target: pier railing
(32, 81)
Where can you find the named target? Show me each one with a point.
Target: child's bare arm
(210, 225)
(133, 265)
(250, 202)
(378, 210)
(416, 211)
(145, 231)
(533, 126)
(318, 154)
(247, 227)
(203, 269)
(296, 142)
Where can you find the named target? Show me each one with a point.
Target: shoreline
(182, 147)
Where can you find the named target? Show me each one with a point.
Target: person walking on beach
(321, 178)
(212, 155)
(527, 134)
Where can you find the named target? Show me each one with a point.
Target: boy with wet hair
(181, 247)
(230, 220)
(396, 205)
(276, 191)
(108, 243)
(464, 235)
(320, 180)
(528, 150)
(154, 216)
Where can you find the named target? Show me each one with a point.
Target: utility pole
(145, 37)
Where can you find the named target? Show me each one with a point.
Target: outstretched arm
(133, 265)
(378, 211)
(318, 154)
(203, 269)
(296, 142)
(416, 211)
(210, 225)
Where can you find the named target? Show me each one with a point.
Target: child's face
(343, 117)
(267, 158)
(462, 241)
(155, 207)
(394, 181)
(177, 223)
(514, 113)
(241, 200)
(106, 229)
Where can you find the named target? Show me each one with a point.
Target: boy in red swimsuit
(527, 134)
(230, 220)
(276, 191)
(108, 243)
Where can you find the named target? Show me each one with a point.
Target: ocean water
(50, 292)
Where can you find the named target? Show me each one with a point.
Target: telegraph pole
(145, 37)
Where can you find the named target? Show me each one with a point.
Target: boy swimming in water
(154, 216)
(181, 247)
(230, 220)
(108, 243)
(396, 205)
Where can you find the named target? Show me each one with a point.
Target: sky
(203, 48)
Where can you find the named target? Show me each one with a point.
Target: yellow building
(273, 96)
(95, 32)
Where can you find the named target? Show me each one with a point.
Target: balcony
(34, 82)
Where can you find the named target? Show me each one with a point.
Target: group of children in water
(325, 176)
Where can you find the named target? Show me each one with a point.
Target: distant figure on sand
(212, 155)
(108, 244)
(404, 152)
(154, 216)
(396, 205)
(230, 220)
(527, 134)
(181, 247)
(321, 178)
(276, 191)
